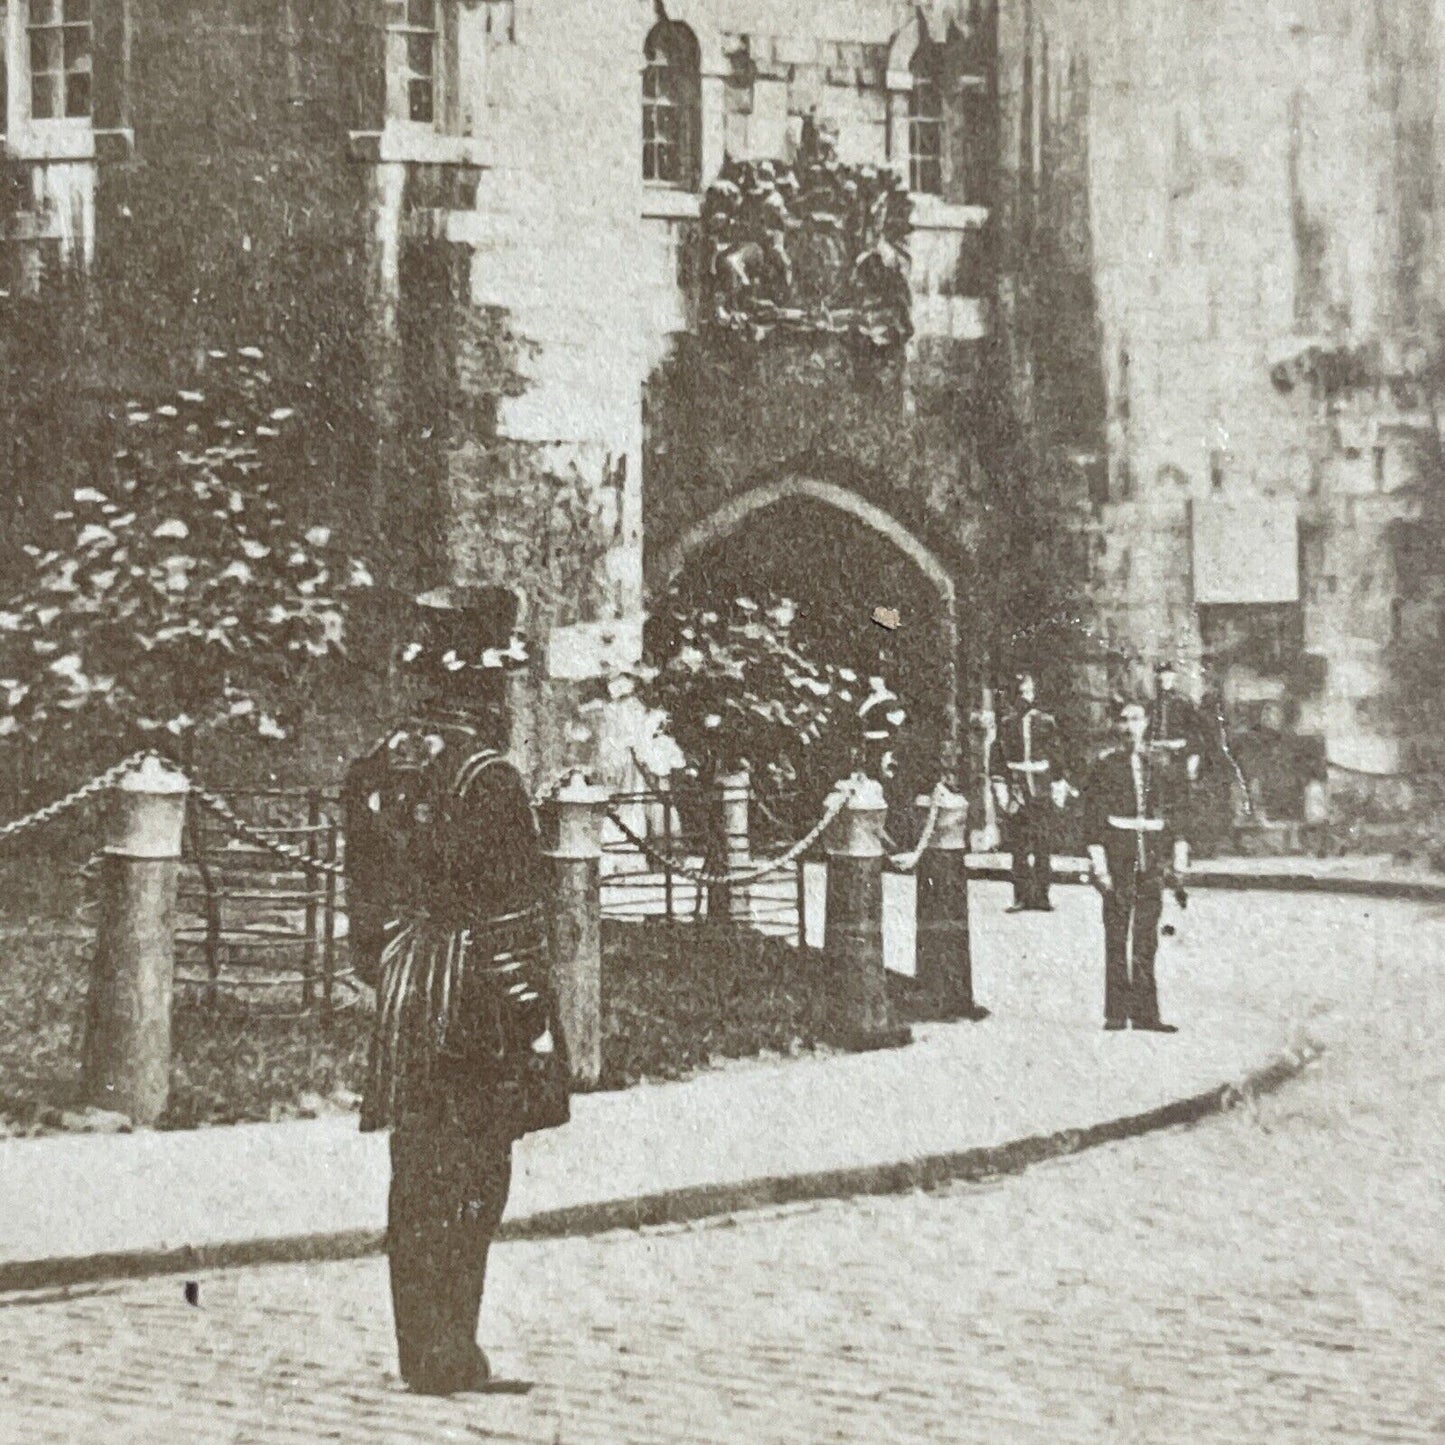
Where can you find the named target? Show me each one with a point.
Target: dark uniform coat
(1175, 727)
(1176, 732)
(1176, 736)
(1131, 807)
(1026, 762)
(444, 881)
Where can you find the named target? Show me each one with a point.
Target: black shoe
(974, 1012)
(1016, 908)
(1157, 1026)
(473, 1374)
(1114, 1025)
(481, 1369)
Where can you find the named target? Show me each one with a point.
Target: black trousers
(1131, 939)
(1031, 842)
(451, 1168)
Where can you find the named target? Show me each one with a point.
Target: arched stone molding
(722, 523)
(901, 51)
(729, 517)
(898, 80)
(707, 35)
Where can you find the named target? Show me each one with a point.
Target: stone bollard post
(126, 1059)
(990, 835)
(853, 919)
(945, 960)
(574, 920)
(731, 824)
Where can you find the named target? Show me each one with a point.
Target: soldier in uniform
(1027, 783)
(1135, 851)
(1177, 738)
(1175, 730)
(881, 718)
(444, 873)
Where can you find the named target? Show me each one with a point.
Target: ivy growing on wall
(745, 681)
(534, 517)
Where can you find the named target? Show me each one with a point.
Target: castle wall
(1261, 186)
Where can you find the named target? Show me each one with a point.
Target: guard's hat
(882, 712)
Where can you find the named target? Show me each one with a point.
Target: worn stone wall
(453, 319)
(901, 431)
(1260, 183)
(474, 328)
(221, 210)
(556, 509)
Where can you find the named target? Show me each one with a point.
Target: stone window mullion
(59, 59)
(414, 62)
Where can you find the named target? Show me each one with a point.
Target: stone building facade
(1247, 199)
(1172, 298)
(441, 223)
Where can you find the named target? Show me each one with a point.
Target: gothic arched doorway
(839, 557)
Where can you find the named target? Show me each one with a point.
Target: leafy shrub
(175, 594)
(744, 682)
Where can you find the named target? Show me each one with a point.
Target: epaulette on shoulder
(475, 766)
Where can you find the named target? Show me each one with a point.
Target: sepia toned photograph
(722, 721)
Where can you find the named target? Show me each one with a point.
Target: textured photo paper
(720, 721)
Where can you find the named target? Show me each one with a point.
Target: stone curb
(1412, 891)
(673, 1206)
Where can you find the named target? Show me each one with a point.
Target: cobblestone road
(1275, 1275)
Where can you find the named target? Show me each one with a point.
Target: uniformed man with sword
(1136, 851)
(1029, 788)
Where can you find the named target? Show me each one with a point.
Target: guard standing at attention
(1131, 805)
(444, 874)
(1175, 729)
(1027, 783)
(1177, 739)
(881, 719)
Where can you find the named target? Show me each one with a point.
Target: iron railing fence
(253, 928)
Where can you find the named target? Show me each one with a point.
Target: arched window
(672, 107)
(925, 122)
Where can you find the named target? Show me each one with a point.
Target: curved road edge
(679, 1206)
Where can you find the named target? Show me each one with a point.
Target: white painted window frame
(54, 138)
(464, 34)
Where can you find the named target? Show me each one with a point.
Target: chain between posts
(834, 806)
(252, 834)
(100, 783)
(907, 862)
(103, 782)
